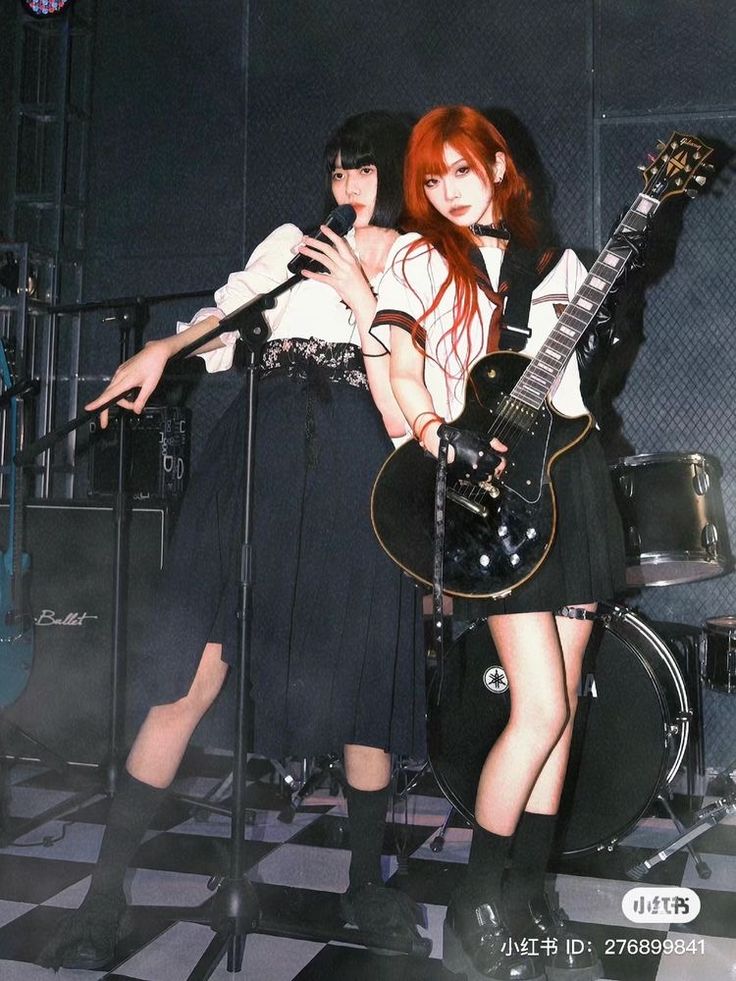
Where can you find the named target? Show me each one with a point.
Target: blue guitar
(16, 623)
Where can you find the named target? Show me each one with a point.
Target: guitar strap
(438, 629)
(521, 272)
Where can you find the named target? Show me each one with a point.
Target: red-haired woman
(469, 206)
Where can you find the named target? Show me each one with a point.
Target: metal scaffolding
(50, 124)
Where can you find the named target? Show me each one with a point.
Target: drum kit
(639, 693)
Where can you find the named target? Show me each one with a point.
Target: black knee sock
(131, 812)
(529, 858)
(488, 854)
(367, 815)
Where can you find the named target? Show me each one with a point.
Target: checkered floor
(301, 866)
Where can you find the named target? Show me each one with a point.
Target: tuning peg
(643, 168)
(700, 179)
(692, 192)
(661, 144)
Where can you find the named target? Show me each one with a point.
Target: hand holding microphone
(340, 220)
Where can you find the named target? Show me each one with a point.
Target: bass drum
(629, 739)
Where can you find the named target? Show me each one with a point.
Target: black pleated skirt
(337, 653)
(586, 563)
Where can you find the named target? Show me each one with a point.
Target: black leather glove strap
(474, 457)
(438, 558)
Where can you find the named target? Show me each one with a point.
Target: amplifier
(158, 465)
(66, 702)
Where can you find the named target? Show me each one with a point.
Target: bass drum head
(628, 741)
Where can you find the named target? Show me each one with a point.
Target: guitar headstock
(680, 168)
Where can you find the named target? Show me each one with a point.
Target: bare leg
(529, 649)
(574, 636)
(87, 938)
(162, 740)
(366, 767)
(542, 656)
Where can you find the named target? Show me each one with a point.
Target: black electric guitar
(498, 533)
(16, 622)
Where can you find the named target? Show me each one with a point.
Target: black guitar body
(496, 535)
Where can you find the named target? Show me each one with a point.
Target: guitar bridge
(476, 507)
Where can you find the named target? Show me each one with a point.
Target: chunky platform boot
(478, 944)
(566, 955)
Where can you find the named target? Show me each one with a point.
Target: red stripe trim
(397, 318)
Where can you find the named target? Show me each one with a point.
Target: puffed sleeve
(402, 289)
(265, 269)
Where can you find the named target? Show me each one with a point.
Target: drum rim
(668, 456)
(667, 773)
(684, 706)
(694, 560)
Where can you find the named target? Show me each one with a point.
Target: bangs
(430, 153)
(352, 156)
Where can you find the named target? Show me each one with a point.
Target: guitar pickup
(476, 507)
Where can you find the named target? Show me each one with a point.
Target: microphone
(340, 221)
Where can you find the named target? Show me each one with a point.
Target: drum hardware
(314, 772)
(673, 517)
(705, 818)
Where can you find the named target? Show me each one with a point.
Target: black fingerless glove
(474, 457)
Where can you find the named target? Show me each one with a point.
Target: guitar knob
(514, 559)
(502, 531)
(531, 534)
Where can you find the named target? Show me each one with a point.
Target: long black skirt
(586, 563)
(337, 653)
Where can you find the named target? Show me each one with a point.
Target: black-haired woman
(336, 654)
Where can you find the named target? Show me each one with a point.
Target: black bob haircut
(378, 138)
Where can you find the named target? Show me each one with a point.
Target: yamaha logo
(495, 680)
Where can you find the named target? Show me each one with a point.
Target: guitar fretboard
(550, 361)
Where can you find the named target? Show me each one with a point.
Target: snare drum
(718, 653)
(630, 735)
(673, 517)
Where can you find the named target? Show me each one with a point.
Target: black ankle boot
(380, 911)
(87, 936)
(567, 956)
(477, 943)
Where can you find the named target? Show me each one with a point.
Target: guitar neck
(551, 360)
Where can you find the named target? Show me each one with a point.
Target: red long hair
(473, 136)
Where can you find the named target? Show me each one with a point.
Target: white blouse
(410, 284)
(308, 309)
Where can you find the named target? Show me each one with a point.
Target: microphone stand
(235, 910)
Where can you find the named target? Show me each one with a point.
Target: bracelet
(367, 355)
(428, 412)
(425, 427)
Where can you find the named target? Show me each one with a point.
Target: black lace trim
(336, 361)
